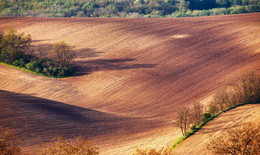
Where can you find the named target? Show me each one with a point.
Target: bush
(16, 63)
(152, 152)
(205, 116)
(21, 63)
(242, 140)
(29, 66)
(193, 127)
(63, 146)
(38, 70)
(8, 142)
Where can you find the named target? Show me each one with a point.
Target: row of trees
(118, 8)
(14, 49)
(217, 11)
(244, 90)
(242, 140)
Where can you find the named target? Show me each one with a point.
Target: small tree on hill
(62, 54)
(196, 113)
(14, 45)
(182, 119)
(244, 140)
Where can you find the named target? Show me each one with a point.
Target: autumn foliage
(8, 142)
(61, 146)
(152, 152)
(244, 140)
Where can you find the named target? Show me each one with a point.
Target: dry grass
(8, 142)
(61, 146)
(242, 140)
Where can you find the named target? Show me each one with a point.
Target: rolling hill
(196, 144)
(135, 74)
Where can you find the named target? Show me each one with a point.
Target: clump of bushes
(79, 146)
(152, 152)
(8, 142)
(206, 116)
(9, 145)
(241, 140)
(13, 48)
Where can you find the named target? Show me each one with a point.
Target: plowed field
(135, 74)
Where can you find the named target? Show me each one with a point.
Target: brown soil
(136, 73)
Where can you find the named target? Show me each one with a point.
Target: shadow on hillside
(86, 53)
(36, 119)
(87, 67)
(83, 63)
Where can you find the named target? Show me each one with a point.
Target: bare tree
(196, 113)
(244, 140)
(182, 119)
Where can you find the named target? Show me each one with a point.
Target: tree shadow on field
(85, 62)
(86, 53)
(87, 67)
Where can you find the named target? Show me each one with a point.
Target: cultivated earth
(135, 75)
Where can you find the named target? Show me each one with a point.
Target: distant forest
(126, 8)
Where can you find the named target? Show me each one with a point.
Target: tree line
(246, 89)
(14, 49)
(126, 8)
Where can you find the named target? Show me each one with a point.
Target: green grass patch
(27, 70)
(203, 123)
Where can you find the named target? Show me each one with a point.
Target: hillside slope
(37, 120)
(143, 68)
(196, 144)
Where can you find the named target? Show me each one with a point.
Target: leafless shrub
(8, 142)
(244, 140)
(183, 119)
(152, 152)
(61, 146)
(196, 114)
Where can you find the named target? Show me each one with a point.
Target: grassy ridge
(203, 123)
(27, 70)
